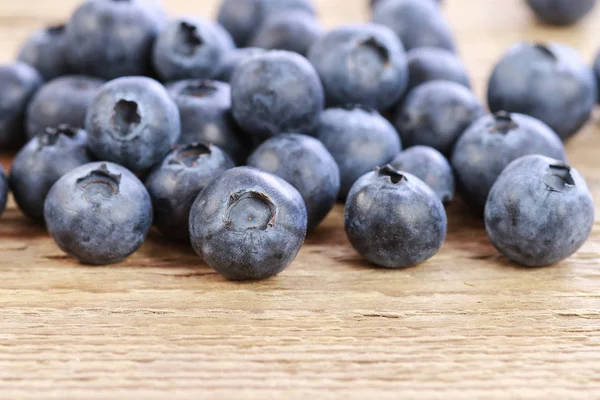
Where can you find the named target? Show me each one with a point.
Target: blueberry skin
(597, 73)
(359, 140)
(242, 18)
(132, 121)
(205, 111)
(189, 48)
(18, 84)
(435, 114)
(235, 57)
(306, 164)
(175, 183)
(111, 39)
(549, 82)
(361, 64)
(490, 144)
(561, 12)
(276, 92)
(430, 166)
(3, 190)
(42, 162)
(408, 218)
(99, 213)
(46, 51)
(64, 100)
(539, 211)
(294, 31)
(248, 224)
(432, 64)
(417, 23)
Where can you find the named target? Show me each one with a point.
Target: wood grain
(466, 324)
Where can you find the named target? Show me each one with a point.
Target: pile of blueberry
(120, 94)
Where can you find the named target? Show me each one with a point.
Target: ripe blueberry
(235, 57)
(46, 51)
(248, 224)
(561, 12)
(294, 31)
(431, 64)
(3, 190)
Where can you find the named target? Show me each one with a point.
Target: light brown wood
(466, 324)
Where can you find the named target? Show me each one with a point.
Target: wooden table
(465, 324)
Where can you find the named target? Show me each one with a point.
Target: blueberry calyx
(558, 178)
(99, 182)
(373, 44)
(188, 39)
(56, 29)
(51, 134)
(503, 123)
(199, 89)
(189, 155)
(126, 117)
(546, 51)
(392, 173)
(250, 210)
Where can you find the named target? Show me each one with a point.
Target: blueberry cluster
(238, 136)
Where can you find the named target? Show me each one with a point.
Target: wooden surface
(466, 324)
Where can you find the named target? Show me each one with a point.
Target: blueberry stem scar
(503, 123)
(97, 181)
(394, 175)
(189, 155)
(558, 178)
(250, 210)
(546, 51)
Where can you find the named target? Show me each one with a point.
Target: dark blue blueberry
(46, 51)
(418, 23)
(359, 140)
(248, 224)
(18, 84)
(276, 92)
(561, 12)
(361, 64)
(393, 219)
(42, 162)
(235, 57)
(3, 190)
(490, 144)
(435, 114)
(431, 64)
(189, 48)
(539, 211)
(597, 73)
(99, 213)
(306, 164)
(293, 31)
(430, 166)
(549, 82)
(205, 110)
(113, 38)
(242, 18)
(175, 183)
(64, 100)
(133, 122)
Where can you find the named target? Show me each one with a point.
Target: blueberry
(418, 23)
(361, 64)
(561, 12)
(430, 166)
(175, 183)
(3, 190)
(294, 31)
(276, 92)
(393, 219)
(99, 213)
(235, 57)
(18, 84)
(189, 48)
(64, 100)
(435, 114)
(549, 82)
(46, 51)
(113, 38)
(133, 122)
(242, 18)
(597, 73)
(306, 164)
(42, 162)
(359, 140)
(539, 211)
(490, 144)
(205, 110)
(431, 64)
(248, 224)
